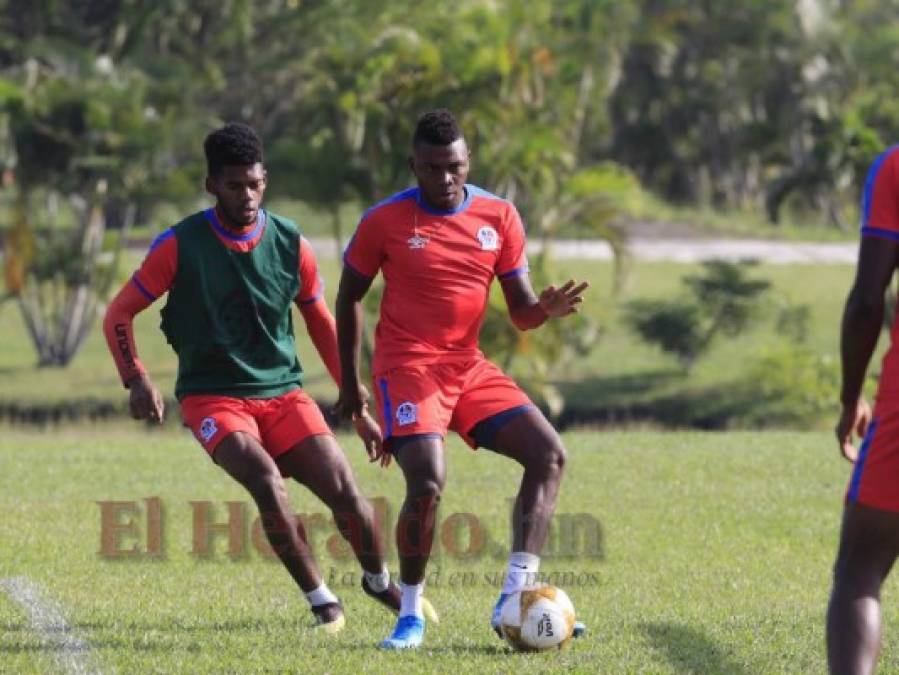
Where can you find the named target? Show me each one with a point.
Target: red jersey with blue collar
(438, 267)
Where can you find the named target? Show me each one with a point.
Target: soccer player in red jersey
(869, 540)
(439, 246)
(231, 274)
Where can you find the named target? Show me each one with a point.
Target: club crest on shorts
(208, 428)
(489, 239)
(406, 413)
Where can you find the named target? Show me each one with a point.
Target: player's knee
(551, 461)
(267, 486)
(349, 500)
(429, 489)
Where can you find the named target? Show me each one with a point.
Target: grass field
(716, 551)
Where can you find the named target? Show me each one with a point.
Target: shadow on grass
(603, 390)
(666, 399)
(460, 649)
(689, 651)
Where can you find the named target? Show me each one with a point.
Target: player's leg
(318, 463)
(421, 459)
(415, 406)
(297, 436)
(227, 429)
(530, 440)
(494, 413)
(869, 544)
(245, 460)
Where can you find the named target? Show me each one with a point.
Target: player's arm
(353, 287)
(527, 310)
(361, 262)
(323, 331)
(318, 319)
(152, 280)
(861, 326)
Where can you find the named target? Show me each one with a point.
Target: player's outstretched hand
(562, 301)
(145, 401)
(854, 418)
(372, 438)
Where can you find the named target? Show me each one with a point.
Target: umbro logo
(417, 241)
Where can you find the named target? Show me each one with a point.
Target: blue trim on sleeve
(353, 269)
(856, 482)
(160, 238)
(314, 298)
(868, 192)
(879, 232)
(388, 415)
(517, 272)
(142, 289)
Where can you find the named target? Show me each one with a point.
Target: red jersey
(880, 218)
(437, 267)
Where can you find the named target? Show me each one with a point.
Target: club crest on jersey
(208, 429)
(488, 238)
(406, 413)
(417, 241)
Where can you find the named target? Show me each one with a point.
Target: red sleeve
(319, 321)
(880, 201)
(312, 287)
(512, 259)
(119, 330)
(365, 252)
(152, 279)
(157, 272)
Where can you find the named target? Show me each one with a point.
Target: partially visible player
(231, 273)
(869, 541)
(439, 246)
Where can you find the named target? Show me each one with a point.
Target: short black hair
(235, 144)
(437, 127)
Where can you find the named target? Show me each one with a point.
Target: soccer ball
(537, 618)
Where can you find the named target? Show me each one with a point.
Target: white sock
(411, 603)
(379, 581)
(521, 572)
(321, 596)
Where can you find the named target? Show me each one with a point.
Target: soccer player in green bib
(231, 273)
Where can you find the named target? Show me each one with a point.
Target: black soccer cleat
(329, 617)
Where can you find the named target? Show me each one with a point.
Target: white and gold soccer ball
(537, 618)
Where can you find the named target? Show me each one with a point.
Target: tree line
(572, 108)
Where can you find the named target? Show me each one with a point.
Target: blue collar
(225, 232)
(438, 212)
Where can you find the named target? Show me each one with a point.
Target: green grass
(716, 559)
(797, 223)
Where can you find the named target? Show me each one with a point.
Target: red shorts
(277, 423)
(875, 477)
(437, 397)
